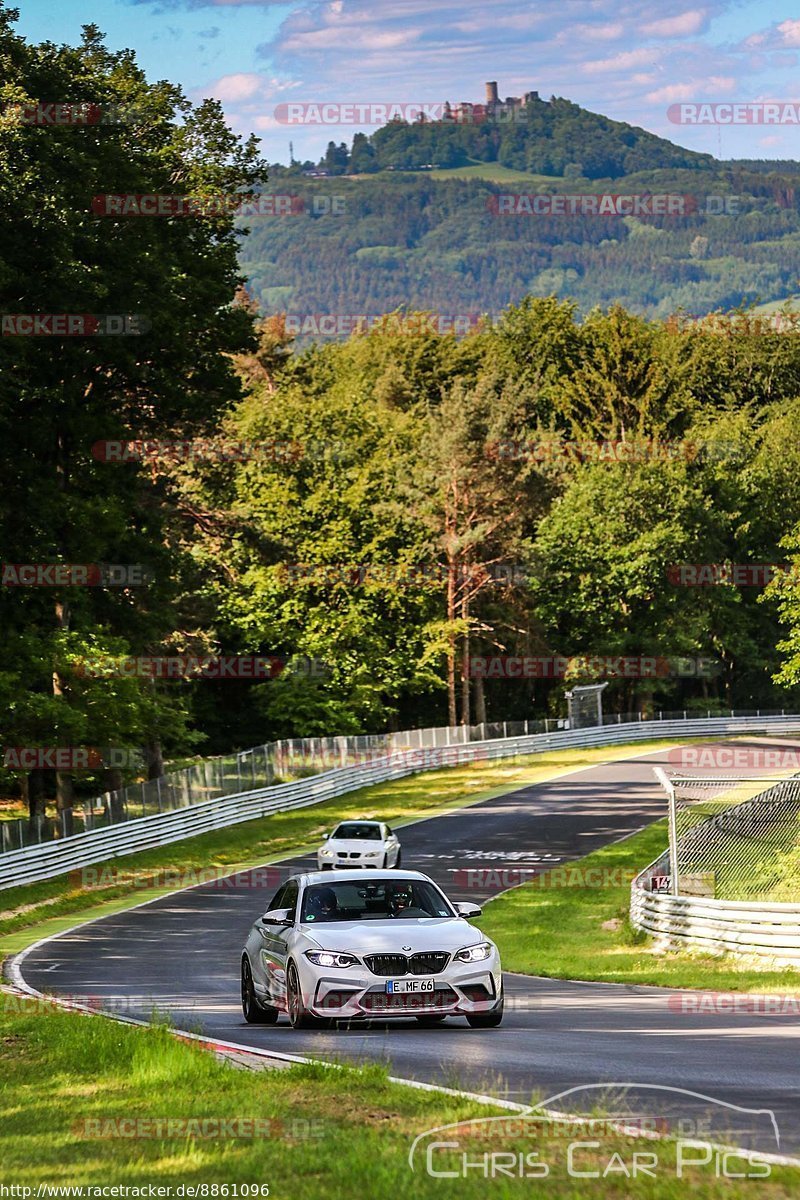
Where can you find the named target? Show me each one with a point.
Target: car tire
(299, 1016)
(255, 1013)
(326, 867)
(399, 859)
(385, 864)
(431, 1019)
(489, 1020)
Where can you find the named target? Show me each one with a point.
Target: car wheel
(254, 1012)
(327, 867)
(431, 1019)
(399, 859)
(385, 862)
(489, 1020)
(299, 1015)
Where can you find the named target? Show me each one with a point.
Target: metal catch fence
(731, 838)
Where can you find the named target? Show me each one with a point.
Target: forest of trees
(547, 137)
(396, 507)
(378, 243)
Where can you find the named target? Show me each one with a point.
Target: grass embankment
(86, 1102)
(558, 926)
(41, 909)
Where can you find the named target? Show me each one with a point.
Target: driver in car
(400, 901)
(322, 904)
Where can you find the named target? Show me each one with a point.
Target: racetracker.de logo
(759, 112)
(610, 666)
(381, 112)
(73, 575)
(209, 666)
(73, 325)
(600, 204)
(714, 574)
(267, 204)
(70, 758)
(344, 324)
(61, 113)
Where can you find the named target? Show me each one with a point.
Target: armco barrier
(737, 926)
(145, 833)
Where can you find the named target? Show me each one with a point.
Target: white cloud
(231, 89)
(686, 23)
(790, 33)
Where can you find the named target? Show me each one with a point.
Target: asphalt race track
(181, 954)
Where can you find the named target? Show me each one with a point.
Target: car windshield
(385, 900)
(358, 829)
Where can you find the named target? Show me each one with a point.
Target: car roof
(359, 821)
(341, 876)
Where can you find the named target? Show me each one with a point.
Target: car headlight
(330, 958)
(372, 853)
(326, 854)
(477, 953)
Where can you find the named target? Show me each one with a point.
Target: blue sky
(629, 60)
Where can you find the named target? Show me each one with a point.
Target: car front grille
(377, 1001)
(402, 964)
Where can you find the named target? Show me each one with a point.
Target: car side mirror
(466, 910)
(278, 916)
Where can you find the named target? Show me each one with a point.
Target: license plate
(397, 986)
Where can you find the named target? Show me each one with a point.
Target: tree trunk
(451, 645)
(480, 700)
(465, 713)
(65, 793)
(154, 759)
(33, 793)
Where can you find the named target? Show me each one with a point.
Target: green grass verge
(85, 1103)
(493, 172)
(570, 925)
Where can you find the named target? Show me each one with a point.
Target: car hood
(351, 845)
(389, 937)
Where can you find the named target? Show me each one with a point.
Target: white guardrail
(49, 859)
(762, 930)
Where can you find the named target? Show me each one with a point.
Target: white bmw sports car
(359, 844)
(369, 944)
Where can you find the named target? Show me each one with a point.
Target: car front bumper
(462, 989)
